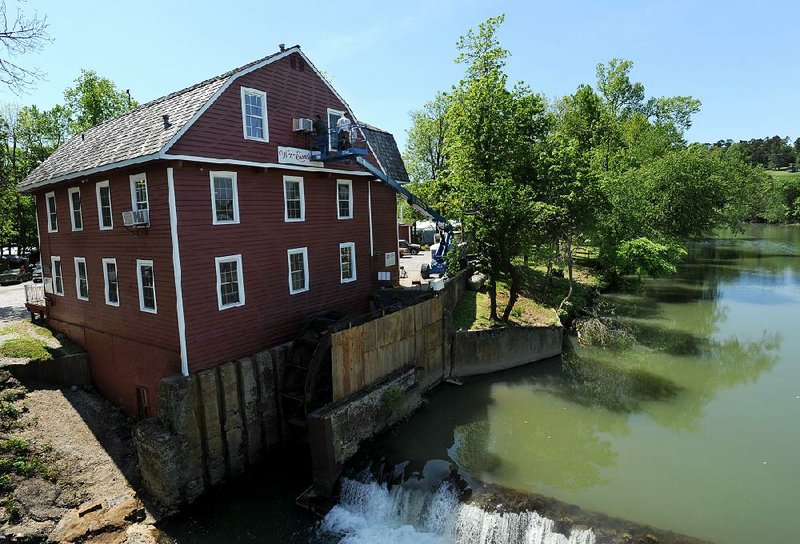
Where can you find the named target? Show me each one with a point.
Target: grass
(25, 348)
(536, 304)
(783, 174)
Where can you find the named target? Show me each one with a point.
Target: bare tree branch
(19, 36)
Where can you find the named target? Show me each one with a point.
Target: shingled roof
(385, 149)
(136, 135)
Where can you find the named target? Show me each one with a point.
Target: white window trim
(78, 278)
(352, 246)
(240, 274)
(49, 211)
(265, 122)
(295, 251)
(234, 185)
(106, 284)
(349, 184)
(302, 217)
(133, 179)
(139, 264)
(71, 191)
(332, 129)
(99, 185)
(53, 260)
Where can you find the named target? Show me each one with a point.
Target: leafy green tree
(490, 130)
(94, 99)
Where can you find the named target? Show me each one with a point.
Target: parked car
(15, 275)
(37, 273)
(409, 248)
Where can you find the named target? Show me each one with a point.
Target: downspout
(371, 240)
(176, 269)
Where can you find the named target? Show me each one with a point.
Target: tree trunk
(513, 290)
(493, 271)
(569, 267)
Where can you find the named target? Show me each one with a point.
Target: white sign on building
(295, 155)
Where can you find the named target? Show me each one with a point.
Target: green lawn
(536, 305)
(783, 174)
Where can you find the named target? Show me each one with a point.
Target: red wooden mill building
(199, 228)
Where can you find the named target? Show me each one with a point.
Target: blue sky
(387, 58)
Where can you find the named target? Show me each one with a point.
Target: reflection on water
(694, 428)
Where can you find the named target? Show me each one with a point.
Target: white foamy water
(369, 513)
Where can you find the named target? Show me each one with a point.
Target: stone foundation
(211, 426)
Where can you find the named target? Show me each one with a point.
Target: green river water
(695, 428)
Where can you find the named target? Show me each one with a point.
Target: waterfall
(370, 513)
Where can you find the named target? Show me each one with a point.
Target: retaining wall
(482, 352)
(65, 371)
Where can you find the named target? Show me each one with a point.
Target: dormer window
(254, 115)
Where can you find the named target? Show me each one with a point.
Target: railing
(34, 294)
(329, 145)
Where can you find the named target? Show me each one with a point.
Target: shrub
(25, 348)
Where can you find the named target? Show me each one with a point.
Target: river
(694, 427)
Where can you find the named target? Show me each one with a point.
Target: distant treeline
(773, 153)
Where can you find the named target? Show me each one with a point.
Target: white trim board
(269, 165)
(176, 270)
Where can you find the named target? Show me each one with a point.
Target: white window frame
(139, 264)
(71, 191)
(349, 184)
(99, 185)
(302, 217)
(134, 203)
(53, 260)
(240, 278)
(234, 186)
(298, 251)
(352, 246)
(264, 121)
(107, 284)
(332, 129)
(78, 278)
(51, 212)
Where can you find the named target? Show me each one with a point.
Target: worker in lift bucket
(343, 126)
(321, 132)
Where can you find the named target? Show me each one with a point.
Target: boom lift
(438, 264)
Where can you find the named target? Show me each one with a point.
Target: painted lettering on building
(295, 155)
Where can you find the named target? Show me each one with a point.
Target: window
(254, 114)
(104, 216)
(333, 133)
(147, 286)
(111, 281)
(75, 208)
(347, 262)
(52, 218)
(230, 283)
(344, 198)
(298, 270)
(294, 199)
(139, 193)
(81, 281)
(224, 198)
(58, 278)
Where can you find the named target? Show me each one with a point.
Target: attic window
(297, 63)
(254, 114)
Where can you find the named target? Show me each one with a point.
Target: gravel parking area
(12, 302)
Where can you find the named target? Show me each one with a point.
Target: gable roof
(139, 135)
(384, 147)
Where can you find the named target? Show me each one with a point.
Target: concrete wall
(337, 431)
(210, 426)
(65, 371)
(482, 352)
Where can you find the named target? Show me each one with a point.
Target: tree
(94, 99)
(489, 136)
(425, 155)
(19, 35)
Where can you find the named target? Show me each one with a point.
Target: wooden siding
(125, 323)
(363, 355)
(270, 314)
(291, 94)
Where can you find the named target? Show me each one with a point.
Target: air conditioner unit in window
(302, 125)
(135, 218)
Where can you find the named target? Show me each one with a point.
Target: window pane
(293, 200)
(141, 194)
(105, 206)
(148, 287)
(229, 282)
(77, 220)
(113, 287)
(346, 261)
(83, 286)
(223, 199)
(59, 285)
(297, 271)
